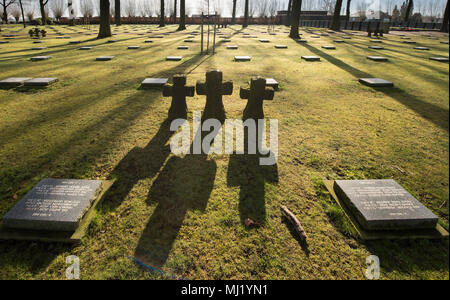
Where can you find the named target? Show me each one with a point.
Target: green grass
(184, 214)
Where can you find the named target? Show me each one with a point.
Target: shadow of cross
(256, 96)
(214, 89)
(179, 91)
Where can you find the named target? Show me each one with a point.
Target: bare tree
(246, 13)
(130, 8)
(444, 27)
(162, 21)
(15, 12)
(105, 25)
(336, 22)
(348, 10)
(296, 11)
(409, 10)
(58, 7)
(42, 4)
(87, 9)
(233, 18)
(182, 15)
(29, 10)
(118, 12)
(5, 4)
(328, 5)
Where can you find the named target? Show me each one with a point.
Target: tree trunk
(408, 10)
(5, 13)
(162, 17)
(233, 19)
(175, 12)
(43, 16)
(348, 10)
(117, 13)
(105, 26)
(23, 14)
(336, 23)
(444, 27)
(182, 15)
(295, 20)
(289, 13)
(245, 25)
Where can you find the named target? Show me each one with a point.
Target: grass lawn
(185, 215)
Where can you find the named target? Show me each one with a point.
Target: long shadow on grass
(438, 115)
(246, 172)
(184, 184)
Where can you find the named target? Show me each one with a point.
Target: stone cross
(179, 91)
(256, 96)
(214, 89)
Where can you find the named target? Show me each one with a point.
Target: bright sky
(426, 7)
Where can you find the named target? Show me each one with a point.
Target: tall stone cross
(256, 96)
(214, 89)
(179, 91)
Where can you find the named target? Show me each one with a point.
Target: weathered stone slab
(376, 82)
(53, 205)
(174, 58)
(104, 58)
(301, 41)
(112, 41)
(421, 48)
(376, 41)
(85, 48)
(183, 47)
(40, 58)
(377, 58)
(409, 42)
(13, 81)
(74, 42)
(376, 47)
(329, 47)
(311, 58)
(339, 41)
(444, 42)
(154, 82)
(4, 42)
(440, 59)
(242, 58)
(281, 46)
(384, 205)
(133, 47)
(270, 82)
(40, 81)
(264, 41)
(148, 41)
(232, 47)
(39, 48)
(188, 41)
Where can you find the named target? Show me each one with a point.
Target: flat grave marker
(53, 205)
(329, 47)
(104, 58)
(133, 47)
(183, 47)
(439, 59)
(232, 47)
(174, 58)
(281, 46)
(310, 58)
(384, 205)
(271, 82)
(377, 58)
(376, 82)
(13, 81)
(242, 58)
(40, 58)
(421, 48)
(39, 48)
(376, 47)
(154, 82)
(40, 81)
(86, 48)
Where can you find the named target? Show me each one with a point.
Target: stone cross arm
(269, 93)
(168, 91)
(227, 88)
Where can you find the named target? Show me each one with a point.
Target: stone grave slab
(311, 58)
(174, 58)
(74, 42)
(421, 48)
(329, 47)
(264, 41)
(40, 58)
(376, 82)
(384, 205)
(148, 41)
(37, 42)
(439, 59)
(154, 82)
(281, 46)
(270, 82)
(188, 41)
(13, 81)
(377, 58)
(376, 41)
(104, 58)
(133, 47)
(339, 41)
(39, 48)
(445, 43)
(85, 48)
(112, 41)
(232, 47)
(4, 42)
(409, 42)
(53, 205)
(376, 47)
(40, 81)
(301, 41)
(242, 58)
(183, 47)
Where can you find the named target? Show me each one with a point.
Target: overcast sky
(426, 7)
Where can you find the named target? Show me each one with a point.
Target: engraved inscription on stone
(53, 204)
